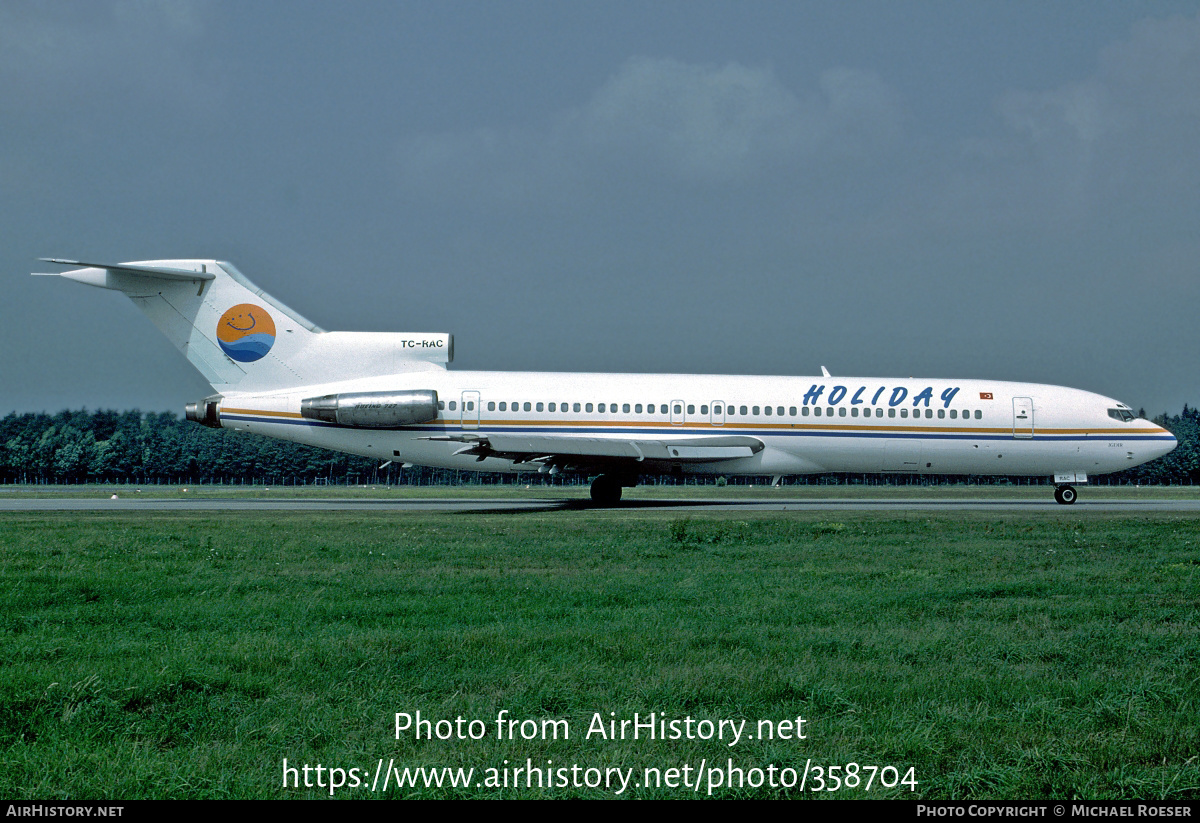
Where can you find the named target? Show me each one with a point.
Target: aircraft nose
(1166, 445)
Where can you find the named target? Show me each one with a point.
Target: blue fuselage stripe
(694, 431)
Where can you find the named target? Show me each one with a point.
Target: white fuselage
(390, 396)
(807, 424)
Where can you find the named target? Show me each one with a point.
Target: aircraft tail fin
(242, 339)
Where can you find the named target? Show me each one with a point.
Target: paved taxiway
(133, 505)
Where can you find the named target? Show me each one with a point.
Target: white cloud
(60, 56)
(1080, 113)
(1158, 68)
(709, 123)
(1141, 108)
(704, 124)
(1118, 142)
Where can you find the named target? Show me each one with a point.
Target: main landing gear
(606, 489)
(1065, 494)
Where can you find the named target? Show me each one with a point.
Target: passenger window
(954, 414)
(600, 408)
(854, 412)
(767, 411)
(441, 405)
(978, 414)
(829, 412)
(779, 411)
(678, 409)
(879, 412)
(817, 411)
(756, 410)
(704, 409)
(928, 413)
(891, 412)
(663, 409)
(804, 410)
(491, 405)
(842, 411)
(470, 405)
(691, 408)
(941, 413)
(552, 407)
(792, 411)
(527, 408)
(575, 407)
(638, 408)
(453, 404)
(625, 408)
(743, 411)
(904, 412)
(539, 407)
(588, 407)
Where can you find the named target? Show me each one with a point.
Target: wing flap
(554, 449)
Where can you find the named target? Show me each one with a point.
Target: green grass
(998, 657)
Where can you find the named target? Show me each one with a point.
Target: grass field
(986, 656)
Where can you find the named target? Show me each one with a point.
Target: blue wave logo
(246, 333)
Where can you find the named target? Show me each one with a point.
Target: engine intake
(372, 410)
(207, 412)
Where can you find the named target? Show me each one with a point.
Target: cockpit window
(1124, 415)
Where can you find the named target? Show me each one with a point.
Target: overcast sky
(1006, 190)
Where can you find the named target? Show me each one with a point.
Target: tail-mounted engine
(372, 410)
(206, 412)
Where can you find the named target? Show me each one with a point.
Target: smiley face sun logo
(246, 332)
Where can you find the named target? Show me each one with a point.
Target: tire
(1065, 495)
(606, 490)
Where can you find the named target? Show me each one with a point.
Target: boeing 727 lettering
(392, 397)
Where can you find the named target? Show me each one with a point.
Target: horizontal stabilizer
(141, 271)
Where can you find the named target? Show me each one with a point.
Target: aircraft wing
(583, 452)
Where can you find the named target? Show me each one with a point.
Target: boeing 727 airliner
(390, 396)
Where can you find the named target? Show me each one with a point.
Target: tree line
(159, 447)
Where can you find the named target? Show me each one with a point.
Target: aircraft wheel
(606, 490)
(1065, 495)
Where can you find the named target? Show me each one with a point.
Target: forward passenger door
(1023, 417)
